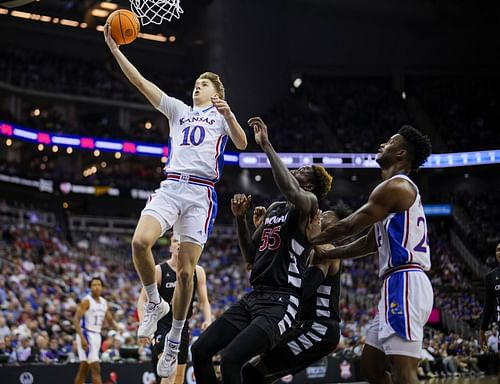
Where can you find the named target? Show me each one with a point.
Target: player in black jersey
(165, 274)
(491, 302)
(317, 333)
(277, 252)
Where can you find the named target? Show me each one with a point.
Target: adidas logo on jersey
(275, 220)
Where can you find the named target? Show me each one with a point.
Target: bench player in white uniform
(186, 200)
(399, 234)
(88, 322)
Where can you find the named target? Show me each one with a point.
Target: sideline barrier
(328, 370)
(126, 373)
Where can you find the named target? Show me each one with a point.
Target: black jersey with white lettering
(324, 302)
(492, 299)
(166, 290)
(282, 250)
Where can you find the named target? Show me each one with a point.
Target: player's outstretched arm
(236, 133)
(203, 302)
(286, 182)
(389, 196)
(362, 247)
(239, 206)
(147, 88)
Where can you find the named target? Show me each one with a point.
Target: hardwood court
(463, 380)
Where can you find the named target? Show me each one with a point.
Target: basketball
(124, 26)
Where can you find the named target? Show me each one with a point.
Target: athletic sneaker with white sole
(152, 313)
(167, 363)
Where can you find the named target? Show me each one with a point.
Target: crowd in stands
(464, 110)
(360, 113)
(42, 71)
(44, 276)
(325, 114)
(483, 228)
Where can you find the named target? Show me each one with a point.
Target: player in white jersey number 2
(399, 234)
(186, 200)
(88, 322)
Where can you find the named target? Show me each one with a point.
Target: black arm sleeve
(489, 303)
(313, 277)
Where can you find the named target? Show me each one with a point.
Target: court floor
(457, 380)
(463, 380)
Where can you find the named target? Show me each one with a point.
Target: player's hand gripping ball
(124, 26)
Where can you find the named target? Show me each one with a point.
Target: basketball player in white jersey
(88, 322)
(399, 233)
(186, 200)
(166, 281)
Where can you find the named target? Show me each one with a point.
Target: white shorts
(91, 355)
(403, 310)
(190, 208)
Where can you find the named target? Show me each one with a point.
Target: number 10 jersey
(198, 137)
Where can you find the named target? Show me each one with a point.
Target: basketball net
(155, 11)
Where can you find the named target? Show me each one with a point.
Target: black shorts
(273, 311)
(159, 342)
(306, 343)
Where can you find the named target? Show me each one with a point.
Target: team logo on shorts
(396, 309)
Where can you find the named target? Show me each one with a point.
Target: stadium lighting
(40, 147)
(118, 155)
(69, 23)
(69, 150)
(55, 148)
(403, 95)
(97, 153)
(36, 112)
(148, 125)
(108, 5)
(150, 36)
(297, 82)
(99, 13)
(8, 142)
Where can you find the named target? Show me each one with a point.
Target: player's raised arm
(390, 196)
(236, 133)
(147, 88)
(288, 185)
(239, 206)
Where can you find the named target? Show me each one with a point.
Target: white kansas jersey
(198, 137)
(94, 316)
(402, 237)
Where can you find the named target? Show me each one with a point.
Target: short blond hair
(216, 81)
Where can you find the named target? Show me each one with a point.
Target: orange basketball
(124, 26)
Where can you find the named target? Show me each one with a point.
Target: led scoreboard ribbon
(244, 159)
